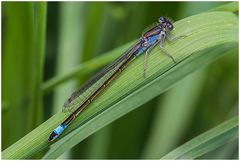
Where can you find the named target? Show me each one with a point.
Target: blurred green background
(43, 40)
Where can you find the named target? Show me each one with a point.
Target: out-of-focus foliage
(49, 41)
(23, 42)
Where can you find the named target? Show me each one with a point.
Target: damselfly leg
(146, 57)
(170, 38)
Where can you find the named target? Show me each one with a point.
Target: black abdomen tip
(52, 136)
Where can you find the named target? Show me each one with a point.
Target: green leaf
(125, 96)
(207, 141)
(90, 66)
(23, 54)
(231, 7)
(206, 42)
(40, 13)
(178, 103)
(84, 68)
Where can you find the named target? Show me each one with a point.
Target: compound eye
(170, 26)
(161, 19)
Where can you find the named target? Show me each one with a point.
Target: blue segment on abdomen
(60, 129)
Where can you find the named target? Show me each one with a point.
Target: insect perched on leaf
(94, 86)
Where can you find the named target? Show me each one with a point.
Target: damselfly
(92, 88)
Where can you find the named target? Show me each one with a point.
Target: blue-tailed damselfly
(92, 88)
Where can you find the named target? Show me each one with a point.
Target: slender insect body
(88, 92)
(91, 89)
(97, 80)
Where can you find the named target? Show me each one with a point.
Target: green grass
(205, 43)
(165, 129)
(23, 50)
(210, 35)
(225, 132)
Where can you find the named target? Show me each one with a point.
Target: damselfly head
(166, 23)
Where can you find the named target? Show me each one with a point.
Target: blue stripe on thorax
(151, 40)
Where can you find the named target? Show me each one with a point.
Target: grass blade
(71, 29)
(84, 68)
(206, 42)
(23, 54)
(231, 7)
(207, 141)
(179, 103)
(91, 121)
